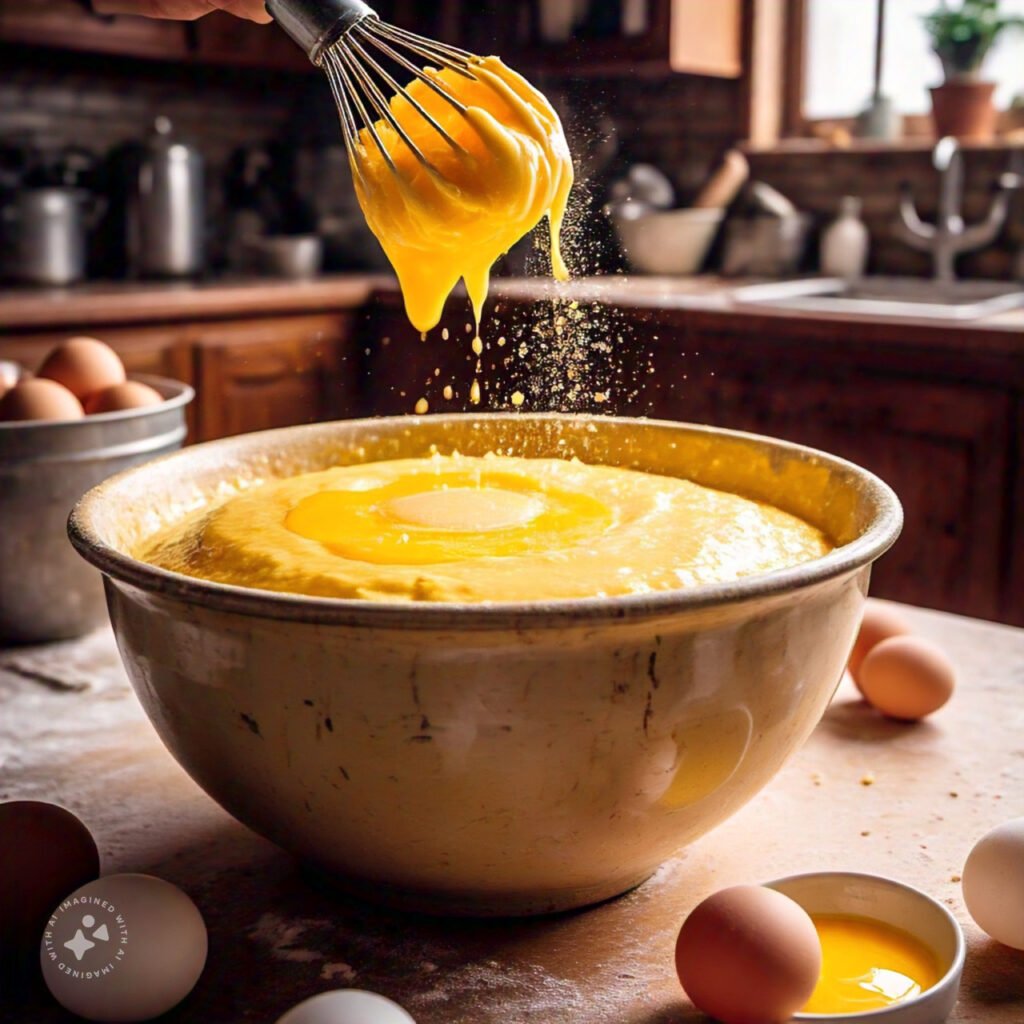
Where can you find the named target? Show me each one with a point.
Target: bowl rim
(950, 977)
(176, 394)
(849, 558)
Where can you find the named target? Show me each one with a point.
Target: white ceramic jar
(845, 242)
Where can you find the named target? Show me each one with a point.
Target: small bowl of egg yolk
(890, 953)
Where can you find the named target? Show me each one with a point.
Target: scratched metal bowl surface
(501, 758)
(46, 591)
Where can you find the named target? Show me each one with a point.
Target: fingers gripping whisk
(361, 55)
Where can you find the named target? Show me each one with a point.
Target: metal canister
(46, 591)
(47, 231)
(167, 208)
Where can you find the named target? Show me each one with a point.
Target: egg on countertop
(129, 394)
(84, 366)
(749, 955)
(347, 1006)
(877, 624)
(123, 948)
(38, 399)
(907, 677)
(45, 853)
(993, 883)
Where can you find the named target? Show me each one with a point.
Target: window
(840, 48)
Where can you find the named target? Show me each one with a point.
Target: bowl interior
(855, 509)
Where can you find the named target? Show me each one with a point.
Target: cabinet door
(260, 374)
(67, 25)
(941, 447)
(523, 352)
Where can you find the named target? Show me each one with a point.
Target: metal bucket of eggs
(78, 421)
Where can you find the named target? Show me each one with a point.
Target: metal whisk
(346, 38)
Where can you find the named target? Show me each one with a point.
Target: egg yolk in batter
(868, 965)
(510, 168)
(427, 518)
(484, 528)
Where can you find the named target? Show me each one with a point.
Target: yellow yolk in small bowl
(868, 965)
(510, 170)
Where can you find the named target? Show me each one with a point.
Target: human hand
(183, 10)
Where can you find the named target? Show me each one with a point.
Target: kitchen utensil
(646, 185)
(166, 207)
(725, 183)
(666, 241)
(46, 228)
(890, 902)
(290, 256)
(347, 39)
(765, 246)
(844, 242)
(46, 592)
(770, 200)
(500, 757)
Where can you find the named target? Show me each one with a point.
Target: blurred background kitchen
(770, 234)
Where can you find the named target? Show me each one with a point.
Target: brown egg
(45, 854)
(38, 399)
(907, 677)
(84, 366)
(878, 623)
(749, 955)
(130, 394)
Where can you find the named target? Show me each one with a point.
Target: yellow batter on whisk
(437, 226)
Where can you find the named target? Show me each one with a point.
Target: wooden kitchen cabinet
(273, 372)
(252, 374)
(689, 36)
(942, 448)
(66, 24)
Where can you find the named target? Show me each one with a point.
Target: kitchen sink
(908, 297)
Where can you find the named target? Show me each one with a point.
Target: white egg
(993, 883)
(123, 948)
(347, 1006)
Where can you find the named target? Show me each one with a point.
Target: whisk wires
(362, 86)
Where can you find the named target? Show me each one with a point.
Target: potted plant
(962, 38)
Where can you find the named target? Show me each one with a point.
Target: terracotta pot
(964, 109)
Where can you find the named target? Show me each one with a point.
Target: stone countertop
(141, 302)
(864, 793)
(124, 302)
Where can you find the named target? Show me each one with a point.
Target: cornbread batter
(497, 528)
(513, 169)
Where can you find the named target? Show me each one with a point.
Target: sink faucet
(949, 236)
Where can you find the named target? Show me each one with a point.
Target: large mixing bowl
(498, 758)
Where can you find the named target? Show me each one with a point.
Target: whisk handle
(316, 24)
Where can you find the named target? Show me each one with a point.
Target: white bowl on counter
(667, 241)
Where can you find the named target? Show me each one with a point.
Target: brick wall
(51, 99)
(817, 180)
(683, 124)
